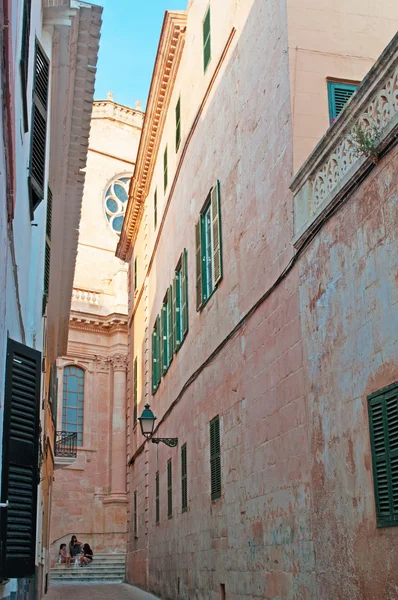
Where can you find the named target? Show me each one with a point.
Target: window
(47, 252)
(135, 396)
(115, 202)
(157, 512)
(206, 40)
(184, 479)
(19, 475)
(155, 209)
(24, 63)
(339, 94)
(178, 124)
(135, 515)
(169, 489)
(215, 458)
(180, 300)
(166, 345)
(165, 169)
(383, 417)
(208, 248)
(156, 365)
(72, 407)
(39, 128)
(135, 273)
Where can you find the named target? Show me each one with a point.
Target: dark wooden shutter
(170, 322)
(165, 173)
(178, 124)
(157, 512)
(184, 479)
(216, 230)
(135, 397)
(24, 63)
(184, 292)
(20, 461)
(135, 514)
(39, 130)
(53, 392)
(383, 417)
(169, 489)
(215, 458)
(47, 250)
(206, 40)
(339, 94)
(176, 311)
(135, 273)
(199, 264)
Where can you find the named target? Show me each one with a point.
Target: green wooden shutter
(163, 340)
(24, 64)
(184, 479)
(339, 94)
(215, 458)
(170, 328)
(39, 127)
(169, 489)
(47, 251)
(216, 230)
(157, 511)
(156, 364)
(199, 264)
(178, 124)
(206, 40)
(383, 417)
(19, 477)
(135, 272)
(165, 174)
(176, 311)
(184, 292)
(159, 347)
(135, 396)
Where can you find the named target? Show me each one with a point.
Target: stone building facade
(48, 56)
(221, 342)
(90, 495)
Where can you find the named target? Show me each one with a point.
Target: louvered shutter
(215, 458)
(135, 515)
(169, 489)
(339, 95)
(20, 461)
(216, 230)
(178, 124)
(184, 292)
(206, 40)
(53, 392)
(176, 311)
(135, 397)
(47, 251)
(165, 172)
(162, 341)
(159, 346)
(199, 265)
(24, 64)
(39, 130)
(184, 479)
(383, 416)
(170, 323)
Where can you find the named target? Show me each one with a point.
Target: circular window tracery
(115, 201)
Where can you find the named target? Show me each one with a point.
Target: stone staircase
(105, 568)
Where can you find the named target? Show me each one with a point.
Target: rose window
(116, 197)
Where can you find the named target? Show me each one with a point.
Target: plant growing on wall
(366, 138)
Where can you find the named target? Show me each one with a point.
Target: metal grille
(66, 444)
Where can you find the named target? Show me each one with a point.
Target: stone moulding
(168, 58)
(108, 109)
(336, 165)
(98, 324)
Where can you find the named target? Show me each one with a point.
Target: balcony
(65, 449)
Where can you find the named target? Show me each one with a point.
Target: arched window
(72, 406)
(115, 202)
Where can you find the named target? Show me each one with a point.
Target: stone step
(82, 580)
(59, 572)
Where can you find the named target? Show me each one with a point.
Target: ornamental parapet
(340, 161)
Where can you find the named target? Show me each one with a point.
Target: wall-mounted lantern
(147, 423)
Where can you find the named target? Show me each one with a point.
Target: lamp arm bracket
(171, 442)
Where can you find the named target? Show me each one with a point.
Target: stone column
(119, 440)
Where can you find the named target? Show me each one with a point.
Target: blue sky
(129, 40)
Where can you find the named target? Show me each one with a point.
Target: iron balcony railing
(66, 444)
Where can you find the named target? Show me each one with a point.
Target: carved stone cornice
(102, 364)
(168, 58)
(119, 362)
(115, 322)
(108, 109)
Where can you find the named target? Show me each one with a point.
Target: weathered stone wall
(349, 313)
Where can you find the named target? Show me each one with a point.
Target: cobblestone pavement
(116, 591)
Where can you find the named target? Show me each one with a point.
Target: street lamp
(147, 423)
